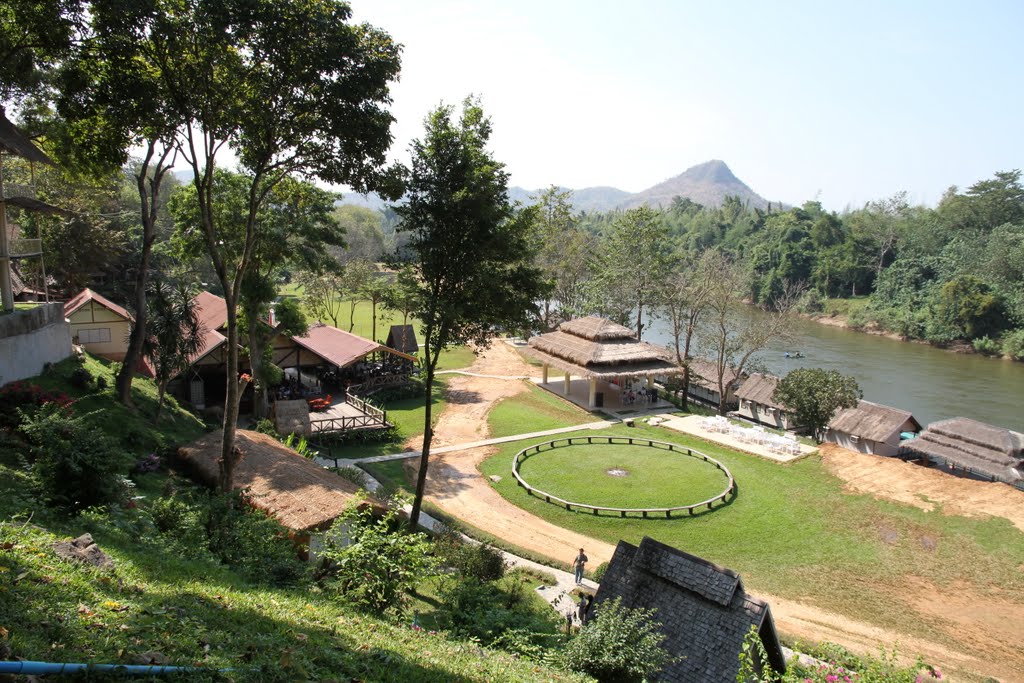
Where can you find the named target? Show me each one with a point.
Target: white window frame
(94, 335)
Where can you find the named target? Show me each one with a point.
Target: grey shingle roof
(759, 389)
(703, 608)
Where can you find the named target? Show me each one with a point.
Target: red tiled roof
(212, 310)
(87, 295)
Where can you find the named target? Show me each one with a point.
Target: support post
(592, 400)
(568, 384)
(544, 375)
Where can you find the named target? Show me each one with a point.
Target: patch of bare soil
(923, 487)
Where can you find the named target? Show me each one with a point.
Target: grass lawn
(844, 307)
(534, 410)
(620, 475)
(793, 532)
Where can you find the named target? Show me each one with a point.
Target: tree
(324, 294)
(34, 37)
(685, 298)
(562, 255)
(620, 645)
(174, 333)
(633, 261)
(374, 291)
(471, 273)
(293, 89)
(969, 307)
(362, 233)
(734, 335)
(814, 395)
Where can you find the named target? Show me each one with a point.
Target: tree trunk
(160, 401)
(685, 401)
(229, 455)
(147, 214)
(428, 437)
(639, 321)
(257, 343)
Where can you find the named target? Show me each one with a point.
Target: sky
(844, 103)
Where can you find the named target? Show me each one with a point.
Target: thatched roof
(759, 388)
(298, 492)
(705, 612)
(403, 338)
(596, 347)
(985, 449)
(872, 421)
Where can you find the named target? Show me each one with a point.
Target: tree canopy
(814, 395)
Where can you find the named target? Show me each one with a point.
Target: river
(931, 383)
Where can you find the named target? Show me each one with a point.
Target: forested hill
(707, 184)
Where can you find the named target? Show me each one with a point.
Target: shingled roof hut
(300, 494)
(757, 404)
(599, 350)
(704, 611)
(980, 449)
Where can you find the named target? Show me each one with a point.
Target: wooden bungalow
(974, 448)
(871, 428)
(205, 381)
(606, 354)
(704, 383)
(300, 494)
(99, 325)
(756, 402)
(704, 611)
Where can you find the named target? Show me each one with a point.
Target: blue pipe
(42, 668)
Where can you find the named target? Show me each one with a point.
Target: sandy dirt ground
(924, 487)
(984, 625)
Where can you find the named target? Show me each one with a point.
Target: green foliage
(371, 563)
(969, 308)
(266, 426)
(352, 474)
(620, 645)
(1013, 344)
(300, 445)
(74, 465)
(814, 395)
(599, 571)
(251, 542)
(987, 346)
(473, 560)
(20, 399)
(837, 665)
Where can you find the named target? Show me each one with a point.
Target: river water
(931, 383)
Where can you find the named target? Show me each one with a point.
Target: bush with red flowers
(29, 398)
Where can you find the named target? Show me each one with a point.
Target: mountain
(706, 184)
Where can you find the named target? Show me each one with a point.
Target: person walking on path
(578, 564)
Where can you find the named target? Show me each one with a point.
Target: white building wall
(32, 338)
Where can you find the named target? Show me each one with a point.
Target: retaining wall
(31, 338)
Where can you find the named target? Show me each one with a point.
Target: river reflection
(931, 383)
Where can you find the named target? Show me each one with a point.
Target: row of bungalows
(102, 328)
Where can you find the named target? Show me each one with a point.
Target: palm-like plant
(174, 333)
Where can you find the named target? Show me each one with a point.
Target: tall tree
(734, 335)
(34, 38)
(633, 261)
(324, 294)
(471, 271)
(684, 298)
(294, 89)
(814, 395)
(562, 255)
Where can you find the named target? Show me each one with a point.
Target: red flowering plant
(28, 398)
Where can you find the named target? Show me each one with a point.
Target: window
(95, 336)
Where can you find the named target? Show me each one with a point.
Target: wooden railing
(522, 455)
(375, 383)
(365, 406)
(346, 423)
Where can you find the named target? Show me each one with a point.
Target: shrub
(619, 645)
(370, 563)
(21, 398)
(251, 542)
(300, 445)
(599, 571)
(267, 427)
(987, 346)
(80, 378)
(352, 474)
(74, 465)
(811, 302)
(1013, 344)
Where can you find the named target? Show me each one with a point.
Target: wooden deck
(348, 415)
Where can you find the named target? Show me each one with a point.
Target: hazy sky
(840, 102)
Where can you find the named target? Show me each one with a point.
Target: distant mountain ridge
(708, 184)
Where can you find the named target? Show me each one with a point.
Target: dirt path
(924, 487)
(982, 624)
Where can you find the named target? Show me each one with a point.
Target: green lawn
(620, 475)
(792, 531)
(534, 410)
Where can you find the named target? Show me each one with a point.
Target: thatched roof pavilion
(978, 448)
(598, 349)
(299, 493)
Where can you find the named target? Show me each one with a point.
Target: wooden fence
(723, 497)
